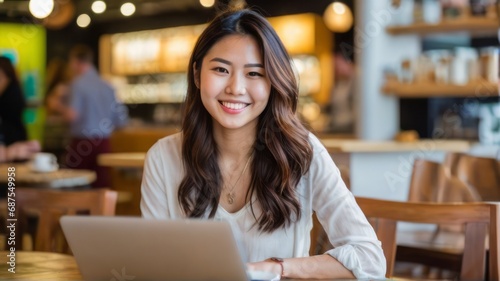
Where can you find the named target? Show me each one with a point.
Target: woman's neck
(234, 144)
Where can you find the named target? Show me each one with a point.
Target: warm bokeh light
(127, 9)
(83, 20)
(339, 8)
(338, 17)
(207, 3)
(98, 7)
(41, 8)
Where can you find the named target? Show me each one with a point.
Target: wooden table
(122, 159)
(50, 266)
(57, 179)
(40, 266)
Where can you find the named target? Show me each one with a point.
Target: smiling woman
(244, 157)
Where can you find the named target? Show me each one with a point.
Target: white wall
(386, 175)
(378, 114)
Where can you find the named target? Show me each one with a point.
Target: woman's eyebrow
(229, 63)
(222, 61)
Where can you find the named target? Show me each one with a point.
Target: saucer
(45, 170)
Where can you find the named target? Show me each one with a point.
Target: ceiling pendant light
(338, 17)
(83, 20)
(41, 8)
(207, 3)
(98, 7)
(127, 9)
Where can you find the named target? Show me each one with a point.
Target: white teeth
(235, 106)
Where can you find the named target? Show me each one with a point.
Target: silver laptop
(131, 248)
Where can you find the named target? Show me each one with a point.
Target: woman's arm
(355, 244)
(356, 250)
(317, 267)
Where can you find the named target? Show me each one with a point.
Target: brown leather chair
(481, 221)
(44, 207)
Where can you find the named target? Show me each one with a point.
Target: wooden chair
(319, 238)
(49, 205)
(433, 182)
(481, 173)
(478, 218)
(442, 248)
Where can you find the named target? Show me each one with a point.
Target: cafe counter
(377, 169)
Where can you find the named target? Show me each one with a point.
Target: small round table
(39, 266)
(62, 178)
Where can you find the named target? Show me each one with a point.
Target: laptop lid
(132, 248)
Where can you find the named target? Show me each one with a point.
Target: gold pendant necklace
(231, 195)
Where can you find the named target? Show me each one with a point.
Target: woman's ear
(196, 75)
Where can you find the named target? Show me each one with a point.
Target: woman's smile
(233, 107)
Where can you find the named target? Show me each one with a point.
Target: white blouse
(321, 190)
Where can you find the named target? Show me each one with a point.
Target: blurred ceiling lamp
(98, 7)
(83, 20)
(127, 9)
(338, 17)
(41, 8)
(62, 14)
(207, 3)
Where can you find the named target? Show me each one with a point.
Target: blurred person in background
(12, 104)
(56, 136)
(93, 112)
(13, 144)
(341, 107)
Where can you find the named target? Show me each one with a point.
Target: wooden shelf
(413, 90)
(473, 25)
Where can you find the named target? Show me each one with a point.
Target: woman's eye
(255, 74)
(220, 69)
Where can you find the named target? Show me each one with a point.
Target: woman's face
(4, 81)
(233, 83)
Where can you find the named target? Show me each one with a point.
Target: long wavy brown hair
(282, 152)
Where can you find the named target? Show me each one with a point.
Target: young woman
(243, 156)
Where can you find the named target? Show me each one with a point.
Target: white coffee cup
(44, 162)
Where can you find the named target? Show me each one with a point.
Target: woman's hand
(268, 266)
(21, 150)
(314, 267)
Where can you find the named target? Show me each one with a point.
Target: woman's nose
(236, 85)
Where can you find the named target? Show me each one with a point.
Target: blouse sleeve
(355, 243)
(153, 197)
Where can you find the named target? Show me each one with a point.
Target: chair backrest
(424, 181)
(481, 173)
(477, 218)
(49, 205)
(432, 182)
